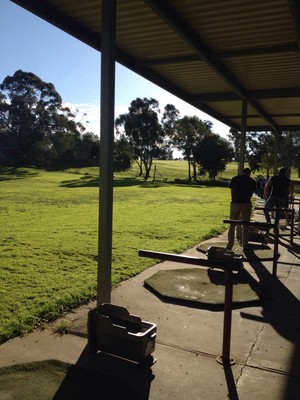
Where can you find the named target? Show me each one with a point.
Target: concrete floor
(265, 338)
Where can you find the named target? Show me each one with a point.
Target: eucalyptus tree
(212, 154)
(289, 150)
(33, 120)
(188, 133)
(144, 132)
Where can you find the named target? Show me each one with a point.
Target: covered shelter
(236, 60)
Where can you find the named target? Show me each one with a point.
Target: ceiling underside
(212, 54)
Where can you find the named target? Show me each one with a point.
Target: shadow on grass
(10, 173)
(93, 181)
(101, 376)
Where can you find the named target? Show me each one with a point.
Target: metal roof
(212, 54)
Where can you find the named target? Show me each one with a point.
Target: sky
(29, 43)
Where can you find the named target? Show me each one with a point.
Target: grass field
(49, 228)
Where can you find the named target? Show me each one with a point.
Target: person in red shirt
(242, 188)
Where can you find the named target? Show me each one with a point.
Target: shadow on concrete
(231, 386)
(281, 309)
(202, 288)
(101, 376)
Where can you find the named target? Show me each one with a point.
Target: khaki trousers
(239, 211)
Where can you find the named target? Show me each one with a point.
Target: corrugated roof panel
(286, 121)
(280, 106)
(249, 46)
(143, 35)
(230, 108)
(193, 77)
(267, 71)
(87, 13)
(228, 25)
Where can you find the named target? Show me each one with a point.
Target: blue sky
(32, 45)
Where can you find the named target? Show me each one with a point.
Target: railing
(291, 211)
(228, 270)
(293, 203)
(265, 226)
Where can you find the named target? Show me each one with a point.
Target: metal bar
(289, 263)
(292, 211)
(225, 358)
(249, 223)
(106, 151)
(276, 145)
(276, 242)
(184, 259)
(243, 136)
(227, 317)
(262, 225)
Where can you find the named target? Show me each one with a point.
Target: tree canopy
(212, 154)
(262, 150)
(150, 138)
(34, 123)
(143, 130)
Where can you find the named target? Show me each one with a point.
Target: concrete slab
(260, 384)
(262, 251)
(283, 328)
(265, 339)
(41, 345)
(293, 284)
(205, 286)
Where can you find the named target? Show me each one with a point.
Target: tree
(289, 150)
(33, 120)
(212, 154)
(122, 154)
(188, 132)
(260, 150)
(144, 132)
(235, 137)
(169, 119)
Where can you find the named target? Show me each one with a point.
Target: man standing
(277, 193)
(242, 188)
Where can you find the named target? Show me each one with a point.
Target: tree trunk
(140, 165)
(189, 166)
(194, 171)
(147, 165)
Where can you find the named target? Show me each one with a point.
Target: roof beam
(273, 115)
(281, 128)
(61, 20)
(286, 48)
(184, 30)
(253, 94)
(168, 60)
(153, 76)
(256, 51)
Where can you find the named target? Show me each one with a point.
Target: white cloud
(88, 114)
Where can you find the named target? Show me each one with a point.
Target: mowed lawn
(49, 228)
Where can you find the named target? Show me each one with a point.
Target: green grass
(49, 228)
